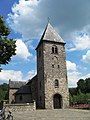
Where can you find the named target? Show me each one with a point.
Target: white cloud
(5, 75)
(31, 74)
(73, 74)
(86, 57)
(29, 16)
(73, 78)
(23, 18)
(81, 41)
(86, 76)
(11, 74)
(22, 50)
(71, 66)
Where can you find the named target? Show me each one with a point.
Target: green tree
(87, 80)
(3, 91)
(81, 86)
(73, 91)
(80, 98)
(7, 46)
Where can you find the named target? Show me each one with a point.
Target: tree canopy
(84, 85)
(80, 94)
(7, 46)
(3, 91)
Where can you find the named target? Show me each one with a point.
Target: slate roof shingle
(16, 84)
(24, 90)
(51, 35)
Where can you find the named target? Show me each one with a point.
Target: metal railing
(9, 116)
(3, 117)
(2, 114)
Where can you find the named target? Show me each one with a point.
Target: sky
(27, 20)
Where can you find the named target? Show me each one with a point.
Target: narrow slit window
(52, 66)
(56, 83)
(58, 66)
(56, 50)
(52, 49)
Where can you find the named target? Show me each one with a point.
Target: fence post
(34, 102)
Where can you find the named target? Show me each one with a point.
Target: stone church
(49, 88)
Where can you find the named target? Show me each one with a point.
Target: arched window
(56, 84)
(52, 49)
(55, 49)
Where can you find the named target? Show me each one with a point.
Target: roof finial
(48, 19)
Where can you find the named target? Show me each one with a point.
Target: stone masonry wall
(58, 72)
(20, 107)
(40, 75)
(11, 95)
(47, 75)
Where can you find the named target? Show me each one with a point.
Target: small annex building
(49, 88)
(13, 88)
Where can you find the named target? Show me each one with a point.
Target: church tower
(51, 71)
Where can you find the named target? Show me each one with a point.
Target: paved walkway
(59, 114)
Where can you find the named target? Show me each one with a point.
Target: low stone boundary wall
(20, 107)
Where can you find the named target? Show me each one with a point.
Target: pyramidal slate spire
(51, 35)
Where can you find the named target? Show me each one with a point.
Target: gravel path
(69, 114)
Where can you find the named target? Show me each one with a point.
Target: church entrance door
(57, 101)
